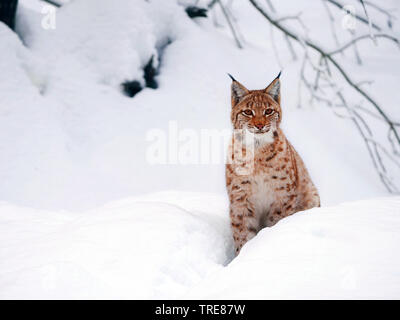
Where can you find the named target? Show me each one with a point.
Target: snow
(82, 135)
(178, 245)
(347, 251)
(85, 214)
(146, 247)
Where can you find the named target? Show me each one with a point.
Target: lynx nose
(259, 126)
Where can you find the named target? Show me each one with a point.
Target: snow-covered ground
(178, 245)
(72, 146)
(349, 251)
(149, 247)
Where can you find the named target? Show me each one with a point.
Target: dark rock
(131, 88)
(195, 12)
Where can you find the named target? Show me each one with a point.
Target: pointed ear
(238, 91)
(274, 89)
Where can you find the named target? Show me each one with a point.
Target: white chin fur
(259, 139)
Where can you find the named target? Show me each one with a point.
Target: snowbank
(177, 245)
(350, 251)
(149, 247)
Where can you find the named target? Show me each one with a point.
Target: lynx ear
(238, 91)
(274, 89)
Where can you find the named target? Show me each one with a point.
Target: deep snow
(349, 251)
(177, 245)
(148, 247)
(72, 146)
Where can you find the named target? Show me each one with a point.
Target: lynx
(271, 182)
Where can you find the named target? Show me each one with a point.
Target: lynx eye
(268, 111)
(248, 112)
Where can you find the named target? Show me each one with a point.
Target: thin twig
(332, 21)
(389, 16)
(271, 6)
(230, 24)
(291, 49)
(54, 3)
(356, 39)
(371, 33)
(211, 4)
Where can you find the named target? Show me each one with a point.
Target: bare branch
(341, 6)
(329, 57)
(271, 5)
(371, 33)
(211, 4)
(388, 15)
(291, 49)
(337, 102)
(332, 21)
(230, 24)
(355, 40)
(54, 3)
(296, 18)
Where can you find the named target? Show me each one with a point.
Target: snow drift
(349, 251)
(177, 245)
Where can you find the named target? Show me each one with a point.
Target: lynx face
(258, 111)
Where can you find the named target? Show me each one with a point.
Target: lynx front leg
(310, 198)
(243, 221)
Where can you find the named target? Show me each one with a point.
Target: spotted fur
(268, 180)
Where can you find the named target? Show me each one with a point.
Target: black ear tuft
(230, 76)
(279, 74)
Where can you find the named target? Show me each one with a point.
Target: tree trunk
(8, 9)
